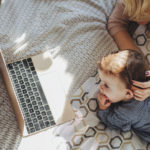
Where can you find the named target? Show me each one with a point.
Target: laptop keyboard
(34, 106)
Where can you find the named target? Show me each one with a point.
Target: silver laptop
(36, 93)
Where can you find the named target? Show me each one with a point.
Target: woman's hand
(143, 91)
(103, 101)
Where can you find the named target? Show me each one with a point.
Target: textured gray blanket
(74, 31)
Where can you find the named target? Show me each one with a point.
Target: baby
(117, 107)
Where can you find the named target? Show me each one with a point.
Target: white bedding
(74, 31)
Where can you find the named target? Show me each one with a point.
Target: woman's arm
(124, 41)
(118, 25)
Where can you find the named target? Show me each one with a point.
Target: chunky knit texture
(74, 31)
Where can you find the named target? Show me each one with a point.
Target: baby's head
(137, 10)
(117, 72)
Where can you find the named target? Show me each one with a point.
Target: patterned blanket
(91, 133)
(74, 31)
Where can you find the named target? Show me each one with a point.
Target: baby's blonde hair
(127, 64)
(137, 10)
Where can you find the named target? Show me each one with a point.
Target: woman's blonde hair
(137, 10)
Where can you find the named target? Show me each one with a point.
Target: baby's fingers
(108, 103)
(98, 97)
(101, 98)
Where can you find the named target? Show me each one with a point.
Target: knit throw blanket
(74, 31)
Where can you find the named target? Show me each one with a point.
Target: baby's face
(112, 87)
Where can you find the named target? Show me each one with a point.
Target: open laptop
(36, 93)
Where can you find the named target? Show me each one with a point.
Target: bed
(74, 31)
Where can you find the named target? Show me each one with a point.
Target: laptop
(36, 93)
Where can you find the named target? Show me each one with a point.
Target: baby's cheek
(113, 96)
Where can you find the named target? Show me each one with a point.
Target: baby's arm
(118, 27)
(113, 118)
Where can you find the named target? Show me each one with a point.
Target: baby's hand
(103, 101)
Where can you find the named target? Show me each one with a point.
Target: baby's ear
(129, 94)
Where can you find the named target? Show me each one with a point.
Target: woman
(124, 12)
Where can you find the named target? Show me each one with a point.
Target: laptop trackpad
(55, 95)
